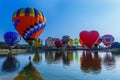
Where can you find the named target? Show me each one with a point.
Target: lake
(60, 65)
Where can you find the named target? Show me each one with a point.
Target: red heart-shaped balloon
(89, 37)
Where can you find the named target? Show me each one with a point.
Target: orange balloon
(98, 41)
(29, 22)
(81, 42)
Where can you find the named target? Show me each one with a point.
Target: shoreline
(15, 51)
(52, 49)
(4, 52)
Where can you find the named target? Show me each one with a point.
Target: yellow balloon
(70, 42)
(36, 43)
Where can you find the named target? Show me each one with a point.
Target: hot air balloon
(89, 38)
(29, 22)
(115, 45)
(65, 39)
(107, 39)
(38, 42)
(76, 42)
(70, 43)
(81, 42)
(12, 39)
(58, 43)
(98, 42)
(49, 42)
(115, 48)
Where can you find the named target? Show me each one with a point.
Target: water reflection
(59, 56)
(76, 56)
(109, 61)
(49, 57)
(116, 51)
(28, 73)
(65, 65)
(37, 58)
(90, 63)
(11, 63)
(67, 58)
(96, 62)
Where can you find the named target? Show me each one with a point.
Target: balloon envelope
(98, 41)
(12, 38)
(70, 43)
(81, 42)
(65, 39)
(115, 45)
(107, 40)
(89, 38)
(29, 22)
(38, 42)
(50, 42)
(58, 43)
(76, 42)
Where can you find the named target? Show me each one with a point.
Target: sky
(67, 17)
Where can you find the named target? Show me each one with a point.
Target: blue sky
(67, 17)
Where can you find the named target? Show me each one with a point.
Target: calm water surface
(60, 65)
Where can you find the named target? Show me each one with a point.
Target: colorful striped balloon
(29, 22)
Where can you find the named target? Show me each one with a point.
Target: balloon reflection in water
(76, 56)
(96, 62)
(11, 63)
(109, 61)
(37, 58)
(90, 63)
(58, 56)
(28, 73)
(67, 58)
(49, 57)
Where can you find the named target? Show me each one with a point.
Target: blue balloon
(65, 39)
(115, 45)
(12, 38)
